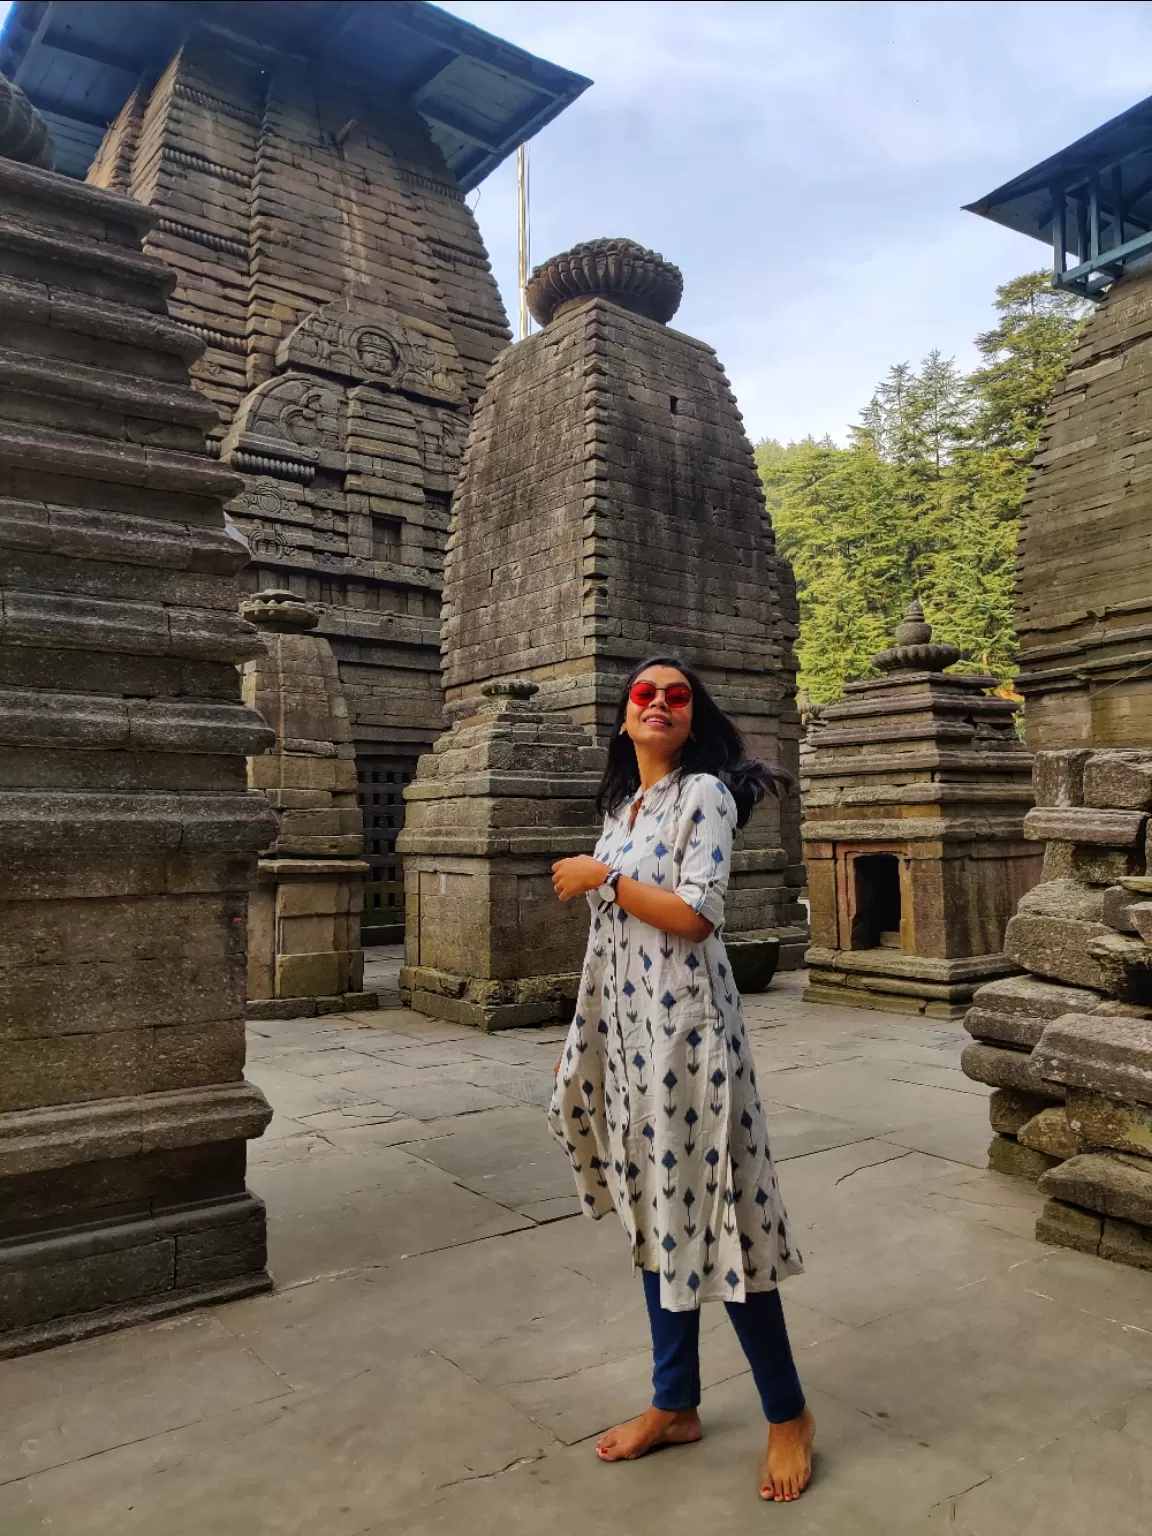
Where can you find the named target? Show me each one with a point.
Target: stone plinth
(304, 953)
(507, 792)
(917, 787)
(608, 509)
(323, 252)
(1084, 600)
(1068, 1047)
(128, 837)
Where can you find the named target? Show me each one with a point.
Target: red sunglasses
(676, 695)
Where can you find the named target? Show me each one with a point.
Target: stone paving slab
(447, 1334)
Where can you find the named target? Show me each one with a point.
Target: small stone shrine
(917, 790)
(608, 509)
(304, 954)
(128, 837)
(1068, 1047)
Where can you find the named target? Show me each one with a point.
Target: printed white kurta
(656, 1099)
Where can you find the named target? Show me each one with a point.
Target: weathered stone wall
(1068, 1046)
(324, 254)
(1083, 592)
(127, 834)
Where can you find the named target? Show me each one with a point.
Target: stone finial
(637, 279)
(915, 650)
(23, 132)
(280, 612)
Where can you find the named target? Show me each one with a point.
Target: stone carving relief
(363, 338)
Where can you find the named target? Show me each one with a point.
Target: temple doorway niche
(874, 901)
(381, 778)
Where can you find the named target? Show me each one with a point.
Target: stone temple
(1067, 1045)
(308, 165)
(608, 509)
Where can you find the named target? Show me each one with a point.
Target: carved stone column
(127, 834)
(304, 953)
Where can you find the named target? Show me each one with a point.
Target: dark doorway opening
(876, 901)
(382, 777)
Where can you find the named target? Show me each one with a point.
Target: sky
(805, 164)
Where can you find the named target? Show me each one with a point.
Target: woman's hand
(574, 877)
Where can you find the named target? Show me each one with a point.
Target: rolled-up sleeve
(708, 825)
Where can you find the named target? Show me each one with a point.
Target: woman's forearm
(661, 909)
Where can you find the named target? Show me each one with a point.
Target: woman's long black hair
(715, 746)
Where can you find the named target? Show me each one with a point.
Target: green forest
(924, 500)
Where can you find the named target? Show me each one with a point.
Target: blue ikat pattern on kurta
(656, 1100)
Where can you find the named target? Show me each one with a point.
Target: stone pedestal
(304, 954)
(127, 834)
(916, 791)
(507, 792)
(1068, 1047)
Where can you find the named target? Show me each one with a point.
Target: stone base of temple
(898, 983)
(74, 1282)
(311, 1007)
(794, 943)
(490, 1005)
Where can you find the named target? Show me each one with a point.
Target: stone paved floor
(447, 1335)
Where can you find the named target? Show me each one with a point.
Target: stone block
(1119, 780)
(1109, 1055)
(1086, 825)
(310, 975)
(1002, 1068)
(1009, 1109)
(1125, 1243)
(1058, 777)
(1050, 1132)
(1006, 1155)
(1117, 909)
(1066, 1226)
(40, 1280)
(1106, 1122)
(1059, 949)
(1112, 1184)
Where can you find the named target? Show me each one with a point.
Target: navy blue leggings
(759, 1325)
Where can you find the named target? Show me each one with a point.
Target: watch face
(607, 892)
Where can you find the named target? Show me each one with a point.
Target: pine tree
(924, 500)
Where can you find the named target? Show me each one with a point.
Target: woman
(656, 1099)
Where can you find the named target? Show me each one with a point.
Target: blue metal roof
(1092, 200)
(78, 61)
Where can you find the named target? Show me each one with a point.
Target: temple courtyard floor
(447, 1335)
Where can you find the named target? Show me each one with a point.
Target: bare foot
(654, 1427)
(788, 1465)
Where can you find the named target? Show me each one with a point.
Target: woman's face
(655, 721)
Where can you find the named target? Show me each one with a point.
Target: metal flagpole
(522, 246)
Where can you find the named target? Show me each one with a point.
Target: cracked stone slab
(1001, 1402)
(384, 1441)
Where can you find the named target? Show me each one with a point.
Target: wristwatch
(607, 891)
